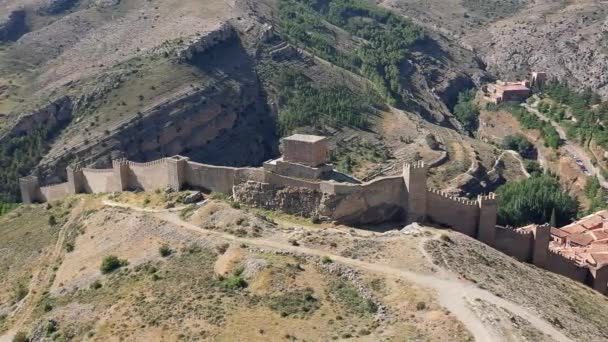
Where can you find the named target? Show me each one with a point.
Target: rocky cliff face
(566, 40)
(225, 123)
(58, 112)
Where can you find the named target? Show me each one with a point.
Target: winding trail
(454, 294)
(516, 156)
(41, 280)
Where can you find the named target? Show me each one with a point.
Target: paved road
(572, 149)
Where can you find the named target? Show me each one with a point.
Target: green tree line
(585, 106)
(19, 156)
(535, 200)
(383, 39)
(301, 104)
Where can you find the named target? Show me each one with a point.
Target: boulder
(194, 197)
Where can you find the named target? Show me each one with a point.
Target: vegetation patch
(530, 121)
(302, 104)
(350, 299)
(466, 111)
(111, 263)
(5, 208)
(382, 39)
(299, 303)
(19, 155)
(519, 144)
(535, 200)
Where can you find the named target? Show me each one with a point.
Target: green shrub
(533, 168)
(20, 337)
(165, 251)
(96, 285)
(326, 260)
(234, 282)
(111, 263)
(5, 208)
(20, 291)
(52, 220)
(348, 296)
(420, 306)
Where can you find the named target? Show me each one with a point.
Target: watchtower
(542, 237)
(488, 209)
(414, 176)
(30, 189)
(310, 150)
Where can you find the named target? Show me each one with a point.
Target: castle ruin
(302, 182)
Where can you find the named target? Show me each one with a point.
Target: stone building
(501, 91)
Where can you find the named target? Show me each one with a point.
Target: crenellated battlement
(490, 199)
(418, 165)
(95, 170)
(460, 200)
(147, 164)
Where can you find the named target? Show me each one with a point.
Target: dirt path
(41, 279)
(454, 294)
(516, 156)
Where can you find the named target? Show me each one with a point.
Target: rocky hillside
(226, 273)
(89, 81)
(566, 39)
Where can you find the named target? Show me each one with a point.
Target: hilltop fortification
(302, 182)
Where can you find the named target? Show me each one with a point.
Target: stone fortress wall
(403, 198)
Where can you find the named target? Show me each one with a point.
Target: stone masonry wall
(460, 214)
(148, 176)
(211, 178)
(99, 181)
(296, 201)
(381, 200)
(516, 244)
(55, 192)
(559, 264)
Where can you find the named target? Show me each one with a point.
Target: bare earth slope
(273, 275)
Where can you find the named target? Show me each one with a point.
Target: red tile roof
(574, 228)
(593, 222)
(581, 239)
(559, 232)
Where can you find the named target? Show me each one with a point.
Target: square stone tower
(309, 150)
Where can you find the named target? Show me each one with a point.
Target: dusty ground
(301, 281)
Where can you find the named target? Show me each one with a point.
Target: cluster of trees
(585, 106)
(595, 193)
(538, 199)
(520, 144)
(385, 38)
(531, 121)
(302, 104)
(466, 110)
(17, 159)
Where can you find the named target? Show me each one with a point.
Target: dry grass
(570, 306)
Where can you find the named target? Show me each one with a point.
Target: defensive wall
(404, 198)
